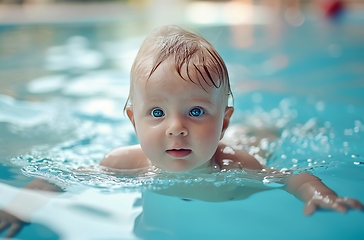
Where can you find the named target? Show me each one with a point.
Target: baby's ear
(130, 113)
(228, 113)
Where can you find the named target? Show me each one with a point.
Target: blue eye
(156, 112)
(196, 112)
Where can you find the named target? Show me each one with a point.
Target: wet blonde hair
(186, 49)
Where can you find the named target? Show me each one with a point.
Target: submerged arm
(18, 212)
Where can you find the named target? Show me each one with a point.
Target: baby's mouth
(179, 153)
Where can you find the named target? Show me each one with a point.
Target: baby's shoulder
(127, 157)
(228, 157)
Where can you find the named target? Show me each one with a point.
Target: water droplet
(320, 106)
(218, 184)
(197, 180)
(356, 129)
(275, 113)
(348, 132)
(209, 179)
(273, 182)
(359, 164)
(357, 123)
(188, 181)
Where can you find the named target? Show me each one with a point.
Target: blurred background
(265, 43)
(28, 28)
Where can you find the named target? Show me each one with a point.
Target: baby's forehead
(167, 84)
(193, 71)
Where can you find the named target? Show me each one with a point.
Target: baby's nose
(178, 133)
(176, 128)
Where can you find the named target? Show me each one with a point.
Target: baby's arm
(304, 186)
(315, 194)
(35, 195)
(129, 157)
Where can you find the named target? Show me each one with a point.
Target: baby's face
(177, 122)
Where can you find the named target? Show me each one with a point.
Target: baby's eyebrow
(199, 100)
(158, 98)
(192, 101)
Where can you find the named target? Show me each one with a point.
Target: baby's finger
(352, 203)
(309, 208)
(339, 207)
(3, 225)
(333, 205)
(13, 230)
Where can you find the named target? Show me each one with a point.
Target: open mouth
(179, 153)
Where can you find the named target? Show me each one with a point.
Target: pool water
(304, 82)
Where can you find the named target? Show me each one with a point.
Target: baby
(178, 105)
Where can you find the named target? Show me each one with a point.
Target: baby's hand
(11, 222)
(331, 201)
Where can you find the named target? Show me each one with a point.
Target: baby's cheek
(151, 142)
(214, 129)
(208, 136)
(147, 142)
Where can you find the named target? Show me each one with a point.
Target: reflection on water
(91, 211)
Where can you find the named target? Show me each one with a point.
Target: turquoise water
(306, 82)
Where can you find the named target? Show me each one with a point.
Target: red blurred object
(333, 8)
